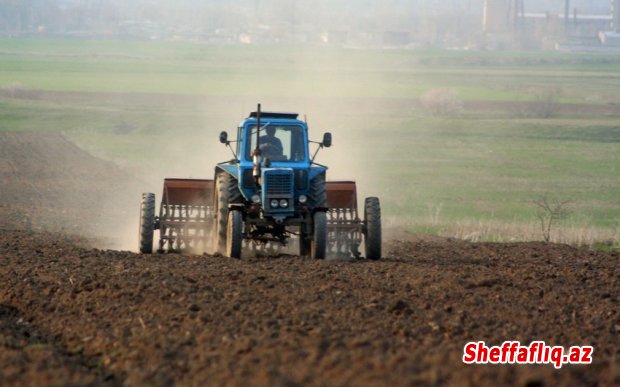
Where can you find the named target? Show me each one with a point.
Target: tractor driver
(270, 145)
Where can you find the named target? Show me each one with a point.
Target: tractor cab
(282, 138)
(272, 164)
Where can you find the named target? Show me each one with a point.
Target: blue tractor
(271, 193)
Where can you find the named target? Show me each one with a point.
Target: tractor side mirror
(327, 140)
(224, 137)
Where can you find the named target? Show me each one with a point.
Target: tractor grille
(278, 184)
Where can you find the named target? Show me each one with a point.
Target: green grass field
(156, 108)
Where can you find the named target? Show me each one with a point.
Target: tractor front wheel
(234, 234)
(372, 222)
(318, 246)
(147, 222)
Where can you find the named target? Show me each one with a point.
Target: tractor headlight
(255, 199)
(274, 203)
(303, 199)
(283, 203)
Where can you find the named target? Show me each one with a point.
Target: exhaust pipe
(256, 155)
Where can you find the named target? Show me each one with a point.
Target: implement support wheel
(147, 222)
(372, 226)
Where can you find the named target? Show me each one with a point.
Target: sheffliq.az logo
(512, 352)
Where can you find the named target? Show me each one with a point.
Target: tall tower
(615, 12)
(496, 16)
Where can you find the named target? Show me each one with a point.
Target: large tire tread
(372, 219)
(147, 222)
(234, 238)
(317, 195)
(227, 193)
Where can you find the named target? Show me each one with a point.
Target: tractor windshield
(277, 143)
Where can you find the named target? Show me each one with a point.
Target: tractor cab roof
(267, 115)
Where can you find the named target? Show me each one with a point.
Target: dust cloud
(182, 152)
(196, 154)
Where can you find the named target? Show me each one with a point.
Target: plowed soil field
(73, 314)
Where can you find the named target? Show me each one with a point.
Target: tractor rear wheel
(318, 246)
(227, 192)
(317, 195)
(147, 222)
(234, 237)
(372, 221)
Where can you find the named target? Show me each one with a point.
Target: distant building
(612, 38)
(521, 23)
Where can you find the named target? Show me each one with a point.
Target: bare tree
(549, 211)
(547, 102)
